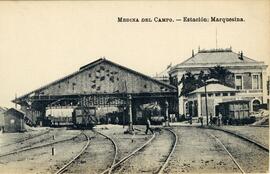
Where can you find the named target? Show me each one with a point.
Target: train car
(84, 117)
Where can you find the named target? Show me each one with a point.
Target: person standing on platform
(219, 119)
(116, 120)
(211, 119)
(201, 120)
(148, 126)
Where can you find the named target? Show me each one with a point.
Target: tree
(221, 74)
(188, 80)
(191, 81)
(202, 77)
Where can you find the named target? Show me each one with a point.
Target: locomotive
(84, 117)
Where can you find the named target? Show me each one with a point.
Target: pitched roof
(214, 88)
(217, 56)
(16, 110)
(3, 108)
(90, 65)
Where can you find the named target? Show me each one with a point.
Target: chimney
(241, 55)
(192, 53)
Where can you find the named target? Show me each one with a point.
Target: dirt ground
(250, 157)
(259, 134)
(97, 158)
(100, 153)
(44, 138)
(196, 152)
(151, 158)
(40, 160)
(126, 143)
(10, 138)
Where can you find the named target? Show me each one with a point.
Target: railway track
(68, 165)
(36, 147)
(123, 160)
(171, 152)
(231, 156)
(240, 162)
(63, 169)
(263, 147)
(25, 139)
(109, 170)
(113, 168)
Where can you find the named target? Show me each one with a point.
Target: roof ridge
(208, 52)
(86, 67)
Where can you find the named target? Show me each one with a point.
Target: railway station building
(14, 120)
(248, 81)
(105, 85)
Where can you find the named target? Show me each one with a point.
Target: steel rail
(242, 137)
(27, 138)
(36, 147)
(131, 154)
(62, 170)
(171, 152)
(115, 154)
(233, 159)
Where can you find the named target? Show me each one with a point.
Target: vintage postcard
(134, 87)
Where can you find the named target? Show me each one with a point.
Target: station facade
(249, 80)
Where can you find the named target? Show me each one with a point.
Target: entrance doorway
(256, 105)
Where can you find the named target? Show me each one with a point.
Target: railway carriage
(84, 117)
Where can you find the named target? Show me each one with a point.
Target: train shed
(101, 84)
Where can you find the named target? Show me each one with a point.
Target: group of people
(216, 120)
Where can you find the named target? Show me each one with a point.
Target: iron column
(130, 114)
(206, 107)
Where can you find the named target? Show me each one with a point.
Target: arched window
(255, 105)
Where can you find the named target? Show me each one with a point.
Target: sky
(43, 41)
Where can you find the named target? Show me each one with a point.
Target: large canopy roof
(101, 77)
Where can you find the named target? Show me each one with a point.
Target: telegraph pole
(206, 107)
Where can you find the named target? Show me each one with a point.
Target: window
(225, 94)
(73, 86)
(203, 95)
(238, 82)
(217, 94)
(12, 121)
(232, 94)
(255, 82)
(210, 95)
